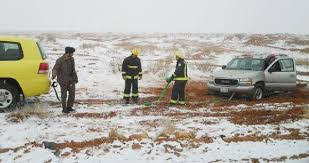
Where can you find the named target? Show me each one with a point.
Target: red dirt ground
(197, 95)
(95, 115)
(256, 117)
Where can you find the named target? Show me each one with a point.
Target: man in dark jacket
(131, 72)
(64, 70)
(181, 77)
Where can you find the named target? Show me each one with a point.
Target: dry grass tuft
(205, 67)
(136, 146)
(50, 38)
(31, 110)
(144, 48)
(160, 67)
(169, 128)
(306, 112)
(172, 149)
(185, 135)
(16, 117)
(113, 134)
(139, 137)
(208, 49)
(305, 50)
(238, 36)
(116, 64)
(298, 41)
(89, 45)
(258, 40)
(302, 62)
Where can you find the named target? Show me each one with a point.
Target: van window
(283, 65)
(286, 65)
(43, 54)
(246, 64)
(275, 67)
(10, 51)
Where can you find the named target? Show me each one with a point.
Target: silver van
(254, 76)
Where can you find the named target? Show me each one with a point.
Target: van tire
(11, 94)
(258, 92)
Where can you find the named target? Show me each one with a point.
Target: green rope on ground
(162, 94)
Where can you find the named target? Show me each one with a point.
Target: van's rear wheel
(258, 92)
(8, 97)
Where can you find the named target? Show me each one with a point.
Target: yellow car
(24, 70)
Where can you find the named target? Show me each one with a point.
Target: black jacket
(131, 67)
(181, 71)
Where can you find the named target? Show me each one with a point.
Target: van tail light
(43, 68)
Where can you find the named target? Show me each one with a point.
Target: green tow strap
(162, 93)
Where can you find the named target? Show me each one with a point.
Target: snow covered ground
(208, 129)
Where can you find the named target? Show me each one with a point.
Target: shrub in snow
(27, 111)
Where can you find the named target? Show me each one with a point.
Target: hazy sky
(201, 16)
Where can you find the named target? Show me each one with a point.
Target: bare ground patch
(181, 137)
(129, 46)
(16, 149)
(294, 134)
(257, 117)
(196, 95)
(27, 111)
(96, 115)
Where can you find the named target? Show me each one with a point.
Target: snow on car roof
(263, 56)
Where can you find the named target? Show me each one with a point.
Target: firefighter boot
(126, 100)
(135, 100)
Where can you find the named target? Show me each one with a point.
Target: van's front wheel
(8, 97)
(258, 92)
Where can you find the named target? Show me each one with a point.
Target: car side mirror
(224, 67)
(270, 70)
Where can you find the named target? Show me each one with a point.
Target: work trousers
(131, 83)
(65, 88)
(178, 92)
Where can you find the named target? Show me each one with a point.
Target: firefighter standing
(131, 73)
(64, 69)
(181, 77)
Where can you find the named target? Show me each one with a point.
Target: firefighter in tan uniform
(64, 70)
(131, 73)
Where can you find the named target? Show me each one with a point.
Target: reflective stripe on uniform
(131, 77)
(182, 78)
(173, 102)
(126, 95)
(134, 94)
(133, 67)
(185, 74)
(123, 72)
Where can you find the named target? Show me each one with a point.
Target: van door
(281, 75)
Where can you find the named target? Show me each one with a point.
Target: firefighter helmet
(135, 52)
(180, 54)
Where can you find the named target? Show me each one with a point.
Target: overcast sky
(199, 16)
